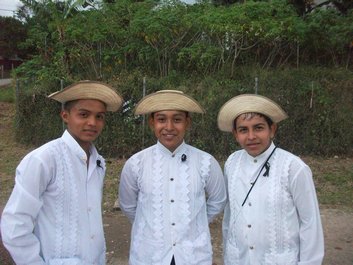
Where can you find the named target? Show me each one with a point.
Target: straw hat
(90, 90)
(248, 103)
(167, 100)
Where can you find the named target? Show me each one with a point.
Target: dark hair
(68, 105)
(186, 113)
(250, 115)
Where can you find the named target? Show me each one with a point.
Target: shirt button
(249, 203)
(171, 179)
(92, 236)
(249, 226)
(174, 244)
(255, 160)
(171, 200)
(251, 247)
(173, 155)
(89, 209)
(173, 224)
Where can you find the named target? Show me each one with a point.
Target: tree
(12, 33)
(49, 20)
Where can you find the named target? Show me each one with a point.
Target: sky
(6, 5)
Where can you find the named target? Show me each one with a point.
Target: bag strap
(266, 165)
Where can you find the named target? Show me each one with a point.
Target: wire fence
(319, 114)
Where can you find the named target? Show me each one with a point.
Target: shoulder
(142, 153)
(292, 164)
(291, 158)
(44, 152)
(196, 151)
(139, 157)
(234, 156)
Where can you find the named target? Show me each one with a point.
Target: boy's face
(85, 121)
(254, 135)
(169, 127)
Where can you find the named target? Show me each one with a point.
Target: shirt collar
(261, 157)
(178, 151)
(76, 148)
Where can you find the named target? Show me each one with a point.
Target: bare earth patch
(338, 231)
(337, 219)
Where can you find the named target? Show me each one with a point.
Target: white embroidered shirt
(53, 215)
(280, 221)
(165, 199)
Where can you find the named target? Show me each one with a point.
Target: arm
(310, 228)
(226, 215)
(128, 191)
(21, 211)
(216, 191)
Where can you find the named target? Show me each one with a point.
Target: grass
(7, 94)
(10, 152)
(333, 180)
(110, 192)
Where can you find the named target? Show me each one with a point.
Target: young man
(54, 215)
(272, 216)
(171, 191)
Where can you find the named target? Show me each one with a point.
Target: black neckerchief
(266, 174)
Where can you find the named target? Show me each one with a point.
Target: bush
(317, 100)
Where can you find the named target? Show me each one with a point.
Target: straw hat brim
(248, 103)
(90, 90)
(167, 100)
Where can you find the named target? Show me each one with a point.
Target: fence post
(143, 117)
(17, 95)
(62, 104)
(256, 84)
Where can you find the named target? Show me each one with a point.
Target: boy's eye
(101, 117)
(83, 114)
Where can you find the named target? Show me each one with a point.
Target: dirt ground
(337, 222)
(338, 232)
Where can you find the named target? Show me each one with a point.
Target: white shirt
(280, 221)
(165, 199)
(53, 215)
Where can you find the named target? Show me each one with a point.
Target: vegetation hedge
(317, 100)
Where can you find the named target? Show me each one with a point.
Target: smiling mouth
(90, 131)
(252, 145)
(168, 135)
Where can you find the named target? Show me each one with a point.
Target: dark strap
(266, 165)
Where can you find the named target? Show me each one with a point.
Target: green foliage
(7, 93)
(328, 37)
(213, 53)
(317, 100)
(37, 118)
(202, 39)
(12, 33)
(334, 184)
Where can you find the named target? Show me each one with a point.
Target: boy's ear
(273, 130)
(188, 122)
(235, 135)
(64, 115)
(151, 122)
